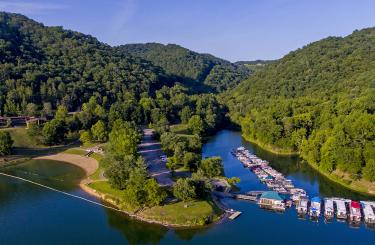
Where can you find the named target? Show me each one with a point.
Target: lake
(32, 215)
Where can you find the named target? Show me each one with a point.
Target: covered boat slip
(272, 200)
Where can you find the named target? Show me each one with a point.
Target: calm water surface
(31, 215)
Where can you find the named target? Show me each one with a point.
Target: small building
(272, 200)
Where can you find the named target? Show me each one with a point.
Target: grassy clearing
(112, 195)
(21, 138)
(180, 129)
(196, 213)
(75, 151)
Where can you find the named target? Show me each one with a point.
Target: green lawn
(196, 213)
(115, 195)
(21, 138)
(76, 151)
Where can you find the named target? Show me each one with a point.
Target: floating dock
(235, 215)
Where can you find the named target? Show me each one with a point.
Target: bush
(6, 143)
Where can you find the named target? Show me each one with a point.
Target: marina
(283, 194)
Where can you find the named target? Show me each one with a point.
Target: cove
(32, 215)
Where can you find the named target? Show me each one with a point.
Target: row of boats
(284, 194)
(343, 209)
(273, 179)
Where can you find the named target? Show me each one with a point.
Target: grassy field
(194, 213)
(21, 139)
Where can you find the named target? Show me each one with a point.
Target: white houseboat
(368, 213)
(355, 212)
(328, 208)
(302, 205)
(341, 209)
(315, 207)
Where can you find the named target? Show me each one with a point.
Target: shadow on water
(136, 232)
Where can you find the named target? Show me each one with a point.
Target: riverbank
(271, 148)
(196, 214)
(360, 186)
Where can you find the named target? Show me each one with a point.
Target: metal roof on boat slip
(271, 195)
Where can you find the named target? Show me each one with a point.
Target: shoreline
(270, 149)
(329, 176)
(90, 165)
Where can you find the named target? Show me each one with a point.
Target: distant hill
(254, 62)
(318, 100)
(216, 74)
(42, 64)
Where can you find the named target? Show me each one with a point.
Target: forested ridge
(319, 101)
(208, 72)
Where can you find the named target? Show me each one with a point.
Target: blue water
(31, 215)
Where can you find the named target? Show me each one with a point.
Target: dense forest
(43, 67)
(205, 71)
(319, 101)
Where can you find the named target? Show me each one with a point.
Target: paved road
(150, 150)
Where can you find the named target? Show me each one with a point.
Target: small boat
(328, 208)
(315, 207)
(355, 212)
(341, 209)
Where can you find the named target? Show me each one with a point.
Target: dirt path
(150, 150)
(88, 164)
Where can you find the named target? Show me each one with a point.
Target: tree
(118, 171)
(369, 170)
(155, 194)
(185, 114)
(191, 160)
(85, 137)
(212, 167)
(196, 125)
(54, 131)
(123, 139)
(99, 131)
(6, 143)
(31, 109)
(184, 190)
(61, 113)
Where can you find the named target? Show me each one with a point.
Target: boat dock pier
(283, 194)
(234, 215)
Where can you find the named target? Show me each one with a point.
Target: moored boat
(315, 207)
(302, 205)
(355, 212)
(328, 208)
(368, 213)
(341, 212)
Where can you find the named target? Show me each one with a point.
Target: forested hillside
(44, 70)
(51, 66)
(319, 101)
(216, 74)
